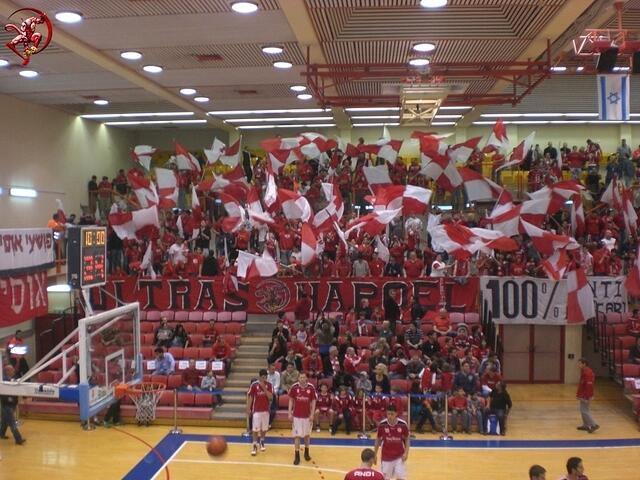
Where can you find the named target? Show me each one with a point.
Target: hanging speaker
(636, 63)
(607, 60)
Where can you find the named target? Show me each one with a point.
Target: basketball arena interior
(334, 239)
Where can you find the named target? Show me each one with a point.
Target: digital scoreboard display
(86, 256)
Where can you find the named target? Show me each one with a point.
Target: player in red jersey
(302, 406)
(365, 471)
(393, 435)
(258, 401)
(323, 406)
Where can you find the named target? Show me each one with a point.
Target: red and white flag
(611, 196)
(231, 155)
(142, 154)
(478, 187)
(388, 149)
(309, 245)
(167, 187)
(461, 152)
(252, 266)
(632, 282)
(558, 194)
(382, 249)
(462, 241)
(143, 188)
(377, 176)
(294, 206)
(520, 152)
(577, 216)
(136, 224)
(279, 158)
(413, 200)
(271, 191)
(373, 223)
(556, 265)
(254, 209)
(215, 152)
(185, 159)
(628, 212)
(498, 140)
(580, 304)
(235, 212)
(313, 144)
(147, 262)
(547, 242)
(532, 211)
(436, 163)
(325, 218)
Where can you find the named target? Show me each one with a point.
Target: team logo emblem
(272, 296)
(28, 40)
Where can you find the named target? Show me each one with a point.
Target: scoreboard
(86, 256)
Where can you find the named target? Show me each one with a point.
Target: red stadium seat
(456, 317)
(196, 339)
(186, 399)
(153, 316)
(147, 377)
(230, 339)
(363, 342)
(220, 328)
(166, 399)
(195, 316)
(619, 329)
(174, 381)
(146, 327)
(401, 384)
(159, 379)
(630, 370)
(625, 342)
(177, 352)
(147, 338)
(239, 317)
(612, 317)
(362, 367)
(208, 316)
(190, 353)
(181, 316)
(147, 352)
(203, 399)
(471, 318)
(45, 377)
(234, 328)
(143, 315)
(426, 328)
(224, 316)
(205, 353)
(190, 327)
(283, 401)
(167, 314)
(202, 327)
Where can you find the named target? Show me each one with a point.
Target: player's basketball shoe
(262, 447)
(254, 450)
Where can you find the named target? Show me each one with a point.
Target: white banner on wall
(525, 300)
(25, 250)
(528, 300)
(609, 294)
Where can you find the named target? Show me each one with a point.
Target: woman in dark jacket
(380, 377)
(500, 405)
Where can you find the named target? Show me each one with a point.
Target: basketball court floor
(541, 430)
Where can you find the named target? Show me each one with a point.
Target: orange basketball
(216, 446)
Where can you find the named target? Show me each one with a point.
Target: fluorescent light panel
(133, 115)
(395, 124)
(372, 109)
(443, 123)
(455, 117)
(23, 192)
(257, 127)
(155, 122)
(278, 119)
(455, 108)
(375, 117)
(261, 112)
(59, 288)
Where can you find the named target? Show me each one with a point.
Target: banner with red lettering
(22, 297)
(281, 294)
(25, 250)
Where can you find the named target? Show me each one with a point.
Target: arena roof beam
(304, 31)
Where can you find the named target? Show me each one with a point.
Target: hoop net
(145, 396)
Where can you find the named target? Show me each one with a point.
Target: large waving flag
(613, 97)
(309, 245)
(143, 188)
(294, 206)
(577, 217)
(580, 304)
(436, 163)
(136, 224)
(167, 187)
(374, 223)
(231, 155)
(479, 187)
(520, 152)
(185, 159)
(556, 265)
(498, 140)
(252, 266)
(632, 283)
(611, 196)
(142, 154)
(213, 154)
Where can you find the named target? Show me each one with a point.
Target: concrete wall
(56, 154)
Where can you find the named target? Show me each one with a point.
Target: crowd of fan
(606, 248)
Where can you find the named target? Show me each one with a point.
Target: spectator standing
(585, 395)
(500, 406)
(104, 196)
(361, 267)
(8, 404)
(92, 193)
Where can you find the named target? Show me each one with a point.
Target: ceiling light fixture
(298, 88)
(145, 114)
(28, 73)
(282, 64)
(464, 107)
(418, 62)
(433, 3)
(376, 124)
(579, 69)
(188, 91)
(443, 123)
(152, 68)
(257, 127)
(260, 112)
(424, 47)
(101, 102)
(304, 96)
(131, 55)
(278, 119)
(23, 192)
(372, 109)
(273, 49)
(621, 69)
(201, 99)
(375, 117)
(3, 62)
(69, 17)
(244, 7)
(61, 288)
(559, 68)
(154, 122)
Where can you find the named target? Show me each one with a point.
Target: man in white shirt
(273, 377)
(438, 267)
(178, 252)
(608, 241)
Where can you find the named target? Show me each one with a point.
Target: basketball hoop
(145, 396)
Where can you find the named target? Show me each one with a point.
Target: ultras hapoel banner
(23, 297)
(527, 300)
(278, 294)
(25, 250)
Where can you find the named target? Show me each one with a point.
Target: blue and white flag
(613, 97)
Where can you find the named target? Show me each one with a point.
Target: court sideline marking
(259, 464)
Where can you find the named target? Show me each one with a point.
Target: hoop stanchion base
(175, 431)
(446, 436)
(364, 436)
